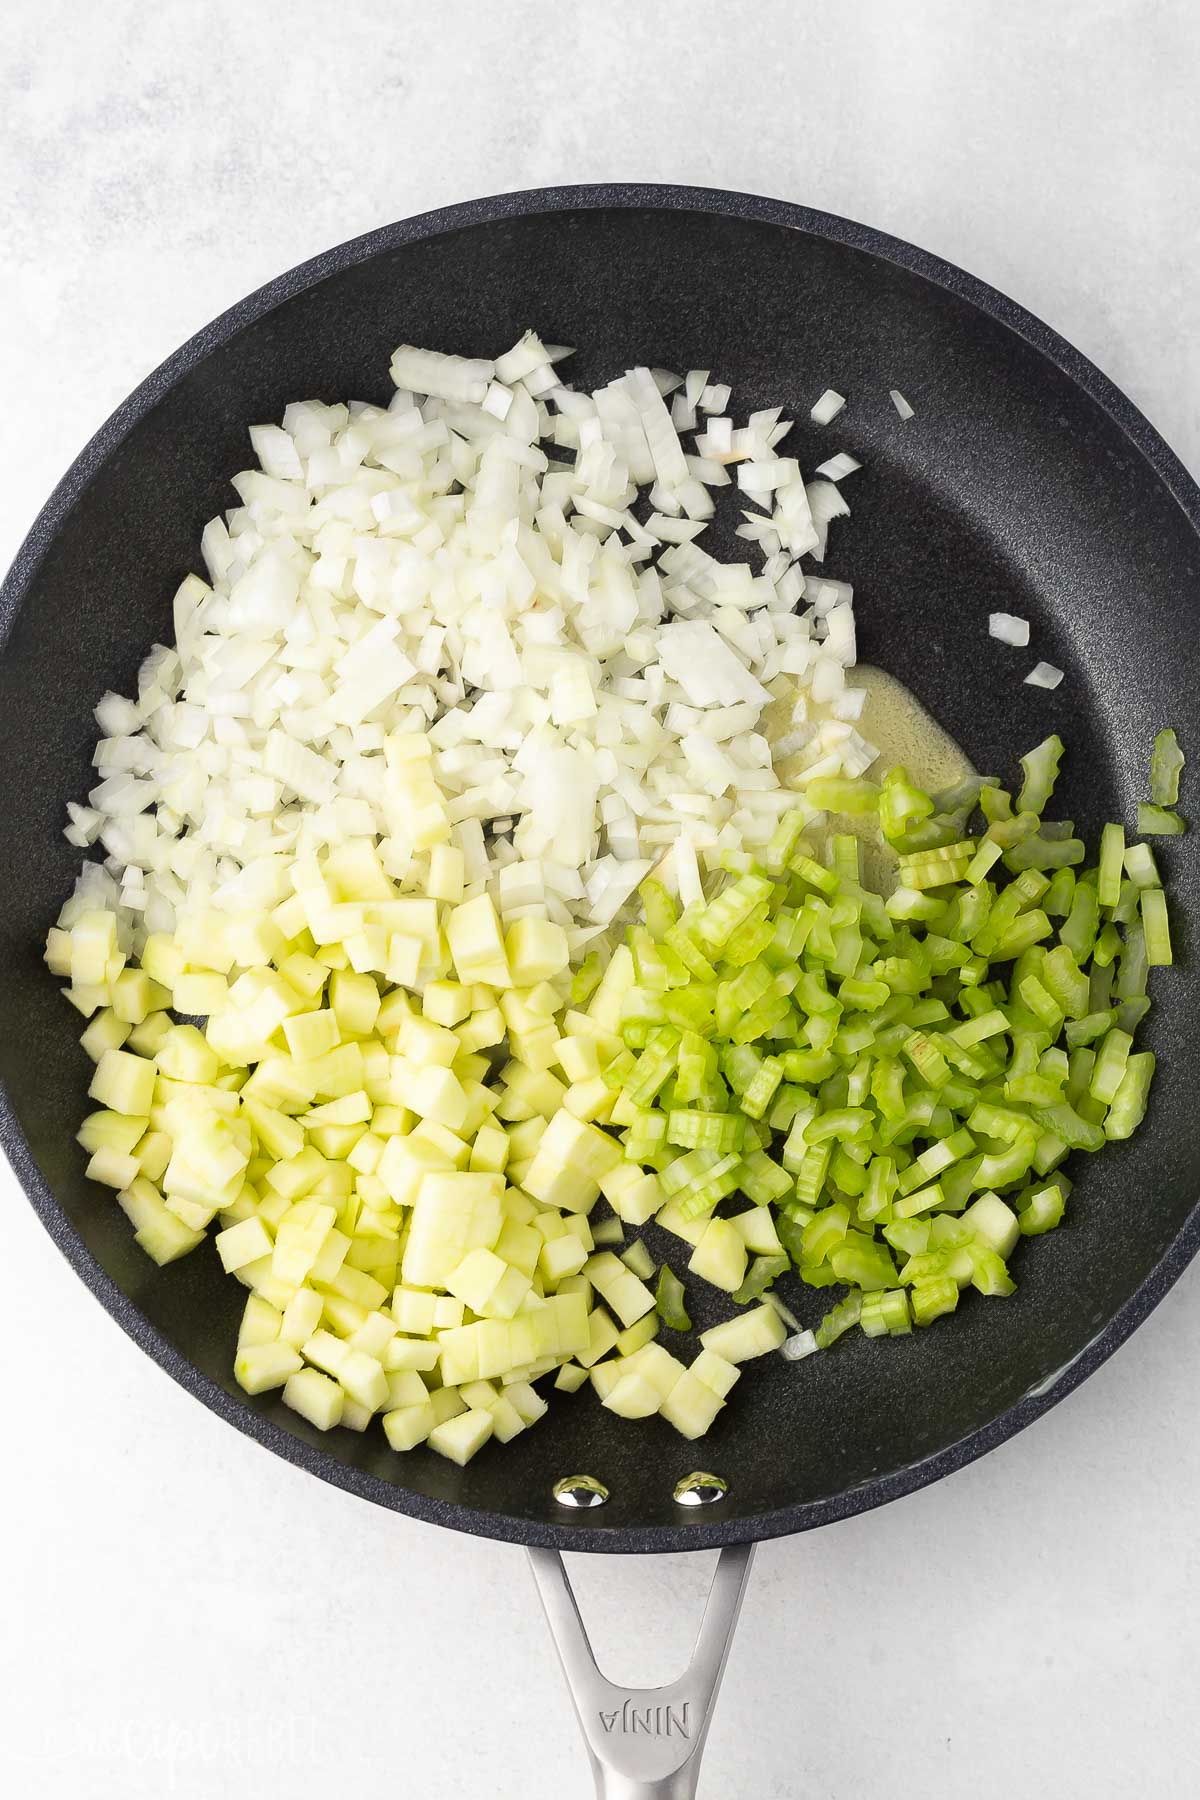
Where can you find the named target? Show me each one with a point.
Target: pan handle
(644, 1743)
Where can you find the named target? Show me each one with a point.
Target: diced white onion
(827, 407)
(901, 404)
(1043, 675)
(1009, 629)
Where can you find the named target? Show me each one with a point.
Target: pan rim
(703, 1533)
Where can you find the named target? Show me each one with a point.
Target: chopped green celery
(586, 978)
(1166, 766)
(1033, 1090)
(994, 802)
(762, 1180)
(683, 1173)
(690, 1008)
(648, 965)
(1141, 867)
(654, 1067)
(854, 1038)
(925, 872)
(789, 1100)
(921, 1200)
(909, 903)
(1108, 1071)
(669, 1300)
(929, 1299)
(616, 1073)
(909, 1236)
(843, 1317)
(1041, 772)
(1133, 966)
(1043, 852)
(763, 1271)
(1083, 921)
(791, 1234)
(658, 908)
(812, 874)
(887, 1088)
(839, 1122)
(646, 1135)
(705, 1130)
(845, 859)
(1060, 895)
(958, 1184)
(1133, 1012)
(680, 942)
(989, 1273)
(1006, 1166)
(925, 1057)
(968, 911)
(989, 1023)
(1090, 1027)
(885, 1313)
(1129, 1103)
(984, 860)
(930, 1164)
(1159, 821)
(749, 941)
(1112, 861)
(784, 840)
(731, 908)
(1029, 929)
(1156, 928)
(763, 1084)
(825, 1231)
(840, 795)
(846, 1172)
(1108, 946)
(901, 804)
(1041, 1003)
(875, 1202)
(1066, 981)
(1043, 1211)
(1068, 1124)
(1126, 909)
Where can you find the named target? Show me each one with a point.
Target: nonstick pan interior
(1024, 483)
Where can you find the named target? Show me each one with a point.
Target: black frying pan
(1025, 483)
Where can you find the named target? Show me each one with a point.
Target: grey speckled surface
(185, 1616)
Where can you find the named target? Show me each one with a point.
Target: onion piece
(1009, 628)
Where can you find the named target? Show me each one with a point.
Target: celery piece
(763, 1271)
(1129, 1103)
(885, 1313)
(669, 1300)
(1156, 928)
(1041, 766)
(705, 1130)
(1159, 821)
(1060, 894)
(1112, 861)
(843, 1317)
(930, 1298)
(1108, 1071)
(838, 795)
(861, 1261)
(1043, 1211)
(1166, 766)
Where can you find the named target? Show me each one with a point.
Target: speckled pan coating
(1026, 482)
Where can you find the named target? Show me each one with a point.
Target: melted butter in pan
(893, 719)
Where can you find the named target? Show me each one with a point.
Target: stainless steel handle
(644, 1743)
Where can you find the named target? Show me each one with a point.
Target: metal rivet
(700, 1489)
(580, 1491)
